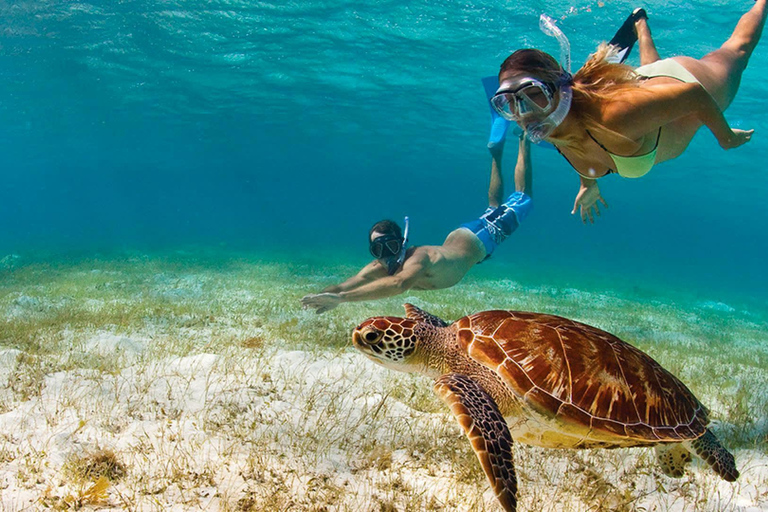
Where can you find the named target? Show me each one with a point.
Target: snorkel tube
(547, 25)
(401, 256)
(537, 132)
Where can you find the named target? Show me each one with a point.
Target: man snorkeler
(397, 267)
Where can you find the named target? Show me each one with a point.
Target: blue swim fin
(499, 125)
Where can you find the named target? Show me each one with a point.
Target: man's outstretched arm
(368, 273)
(372, 271)
(386, 286)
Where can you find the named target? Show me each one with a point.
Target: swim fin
(499, 125)
(625, 37)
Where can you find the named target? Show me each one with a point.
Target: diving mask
(391, 248)
(386, 246)
(523, 99)
(531, 104)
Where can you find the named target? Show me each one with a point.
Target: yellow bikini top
(626, 166)
(632, 166)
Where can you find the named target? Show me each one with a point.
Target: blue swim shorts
(496, 224)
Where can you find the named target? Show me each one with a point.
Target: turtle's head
(388, 340)
(396, 342)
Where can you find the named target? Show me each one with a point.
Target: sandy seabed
(204, 400)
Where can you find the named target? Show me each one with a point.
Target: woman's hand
(738, 138)
(586, 201)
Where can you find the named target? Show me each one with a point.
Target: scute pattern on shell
(583, 375)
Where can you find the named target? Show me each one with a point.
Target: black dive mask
(390, 248)
(385, 246)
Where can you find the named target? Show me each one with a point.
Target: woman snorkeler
(610, 118)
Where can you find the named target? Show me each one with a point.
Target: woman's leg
(720, 71)
(648, 52)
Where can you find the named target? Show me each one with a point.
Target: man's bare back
(445, 265)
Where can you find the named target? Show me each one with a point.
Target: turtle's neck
(434, 350)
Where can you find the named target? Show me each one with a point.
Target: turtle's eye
(369, 336)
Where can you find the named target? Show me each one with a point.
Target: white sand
(290, 430)
(237, 420)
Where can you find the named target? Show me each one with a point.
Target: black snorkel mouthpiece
(392, 265)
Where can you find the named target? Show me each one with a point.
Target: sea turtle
(547, 381)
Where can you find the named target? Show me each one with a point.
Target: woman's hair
(542, 65)
(596, 81)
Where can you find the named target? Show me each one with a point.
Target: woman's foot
(648, 52)
(639, 14)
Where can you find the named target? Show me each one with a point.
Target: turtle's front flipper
(487, 431)
(721, 460)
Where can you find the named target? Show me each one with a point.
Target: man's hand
(586, 201)
(321, 302)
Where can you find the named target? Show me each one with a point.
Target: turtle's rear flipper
(709, 448)
(487, 431)
(673, 457)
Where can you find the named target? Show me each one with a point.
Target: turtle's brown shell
(580, 375)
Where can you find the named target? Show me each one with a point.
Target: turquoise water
(288, 128)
